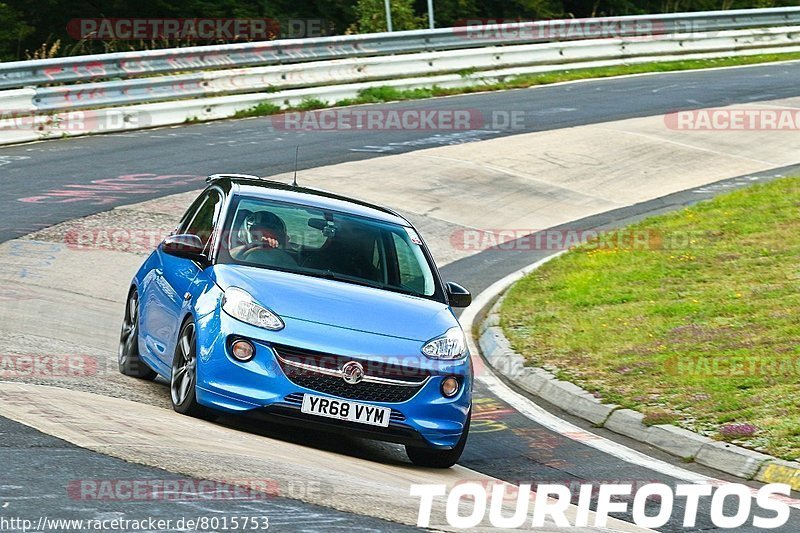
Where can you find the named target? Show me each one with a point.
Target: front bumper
(261, 387)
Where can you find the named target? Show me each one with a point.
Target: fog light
(450, 387)
(243, 350)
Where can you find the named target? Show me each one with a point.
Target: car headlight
(451, 345)
(239, 304)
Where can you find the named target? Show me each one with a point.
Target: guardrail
(215, 83)
(134, 64)
(198, 83)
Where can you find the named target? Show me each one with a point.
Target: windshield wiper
(329, 274)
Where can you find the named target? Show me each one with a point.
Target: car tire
(439, 458)
(183, 378)
(128, 358)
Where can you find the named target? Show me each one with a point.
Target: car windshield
(328, 244)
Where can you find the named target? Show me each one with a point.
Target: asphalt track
(57, 176)
(59, 179)
(30, 496)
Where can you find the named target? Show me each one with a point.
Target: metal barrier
(281, 77)
(135, 64)
(189, 90)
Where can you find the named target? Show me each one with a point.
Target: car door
(166, 294)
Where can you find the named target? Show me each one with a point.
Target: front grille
(321, 372)
(367, 392)
(397, 368)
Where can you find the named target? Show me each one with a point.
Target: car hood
(339, 304)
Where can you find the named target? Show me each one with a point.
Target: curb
(682, 443)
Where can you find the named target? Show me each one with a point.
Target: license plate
(344, 410)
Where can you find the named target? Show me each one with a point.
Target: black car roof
(276, 190)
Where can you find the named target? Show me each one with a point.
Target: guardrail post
(388, 5)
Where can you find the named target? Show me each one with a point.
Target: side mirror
(186, 246)
(458, 295)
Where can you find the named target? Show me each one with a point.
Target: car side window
(204, 219)
(188, 215)
(411, 275)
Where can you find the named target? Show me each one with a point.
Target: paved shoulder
(70, 488)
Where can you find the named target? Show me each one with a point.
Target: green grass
(310, 104)
(701, 328)
(260, 110)
(376, 95)
(644, 68)
(268, 108)
(390, 94)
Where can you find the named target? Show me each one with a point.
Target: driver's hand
(270, 242)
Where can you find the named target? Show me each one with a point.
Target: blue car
(304, 307)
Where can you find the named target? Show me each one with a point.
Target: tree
(39, 28)
(450, 13)
(13, 32)
(371, 16)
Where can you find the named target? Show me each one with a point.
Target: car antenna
(296, 155)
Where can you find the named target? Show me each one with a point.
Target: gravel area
(47, 361)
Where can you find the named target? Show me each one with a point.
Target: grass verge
(696, 325)
(390, 94)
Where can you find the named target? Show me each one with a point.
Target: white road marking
(539, 415)
(450, 139)
(554, 111)
(8, 159)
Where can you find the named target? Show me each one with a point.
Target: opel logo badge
(352, 372)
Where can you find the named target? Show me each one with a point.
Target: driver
(268, 230)
(264, 230)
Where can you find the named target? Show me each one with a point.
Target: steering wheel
(255, 245)
(271, 256)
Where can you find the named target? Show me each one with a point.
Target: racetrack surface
(24, 450)
(63, 170)
(503, 443)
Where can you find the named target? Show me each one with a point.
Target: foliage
(34, 29)
(259, 110)
(13, 31)
(372, 16)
